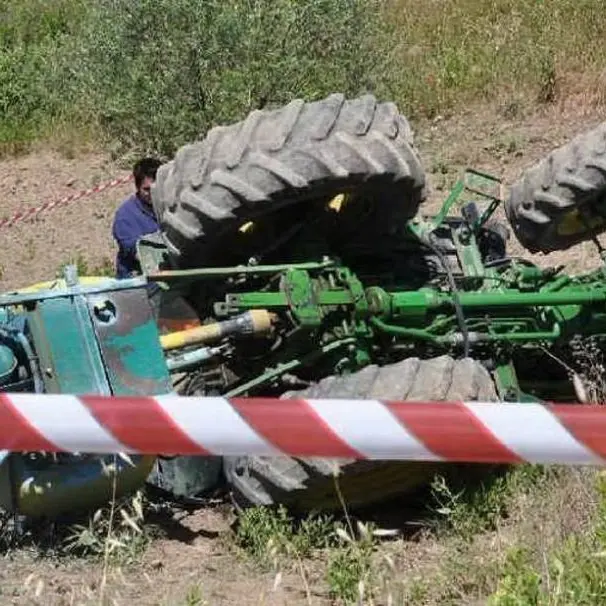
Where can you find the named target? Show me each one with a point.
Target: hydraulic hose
(413, 333)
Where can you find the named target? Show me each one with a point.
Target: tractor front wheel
(561, 200)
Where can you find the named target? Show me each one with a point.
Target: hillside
(495, 88)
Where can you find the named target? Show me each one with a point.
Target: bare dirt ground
(192, 564)
(34, 250)
(196, 553)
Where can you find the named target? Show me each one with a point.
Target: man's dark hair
(147, 167)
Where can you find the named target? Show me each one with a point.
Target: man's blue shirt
(133, 219)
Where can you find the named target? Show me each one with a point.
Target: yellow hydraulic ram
(255, 321)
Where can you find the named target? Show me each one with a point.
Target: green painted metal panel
(99, 344)
(70, 359)
(129, 340)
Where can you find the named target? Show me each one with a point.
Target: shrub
(152, 75)
(147, 76)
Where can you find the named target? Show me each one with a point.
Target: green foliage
(572, 573)
(164, 71)
(269, 536)
(520, 583)
(33, 66)
(351, 572)
(31, 22)
(116, 532)
(155, 75)
(194, 597)
(479, 508)
(151, 76)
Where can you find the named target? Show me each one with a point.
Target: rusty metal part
(125, 328)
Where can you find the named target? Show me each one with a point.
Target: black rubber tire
(571, 180)
(280, 157)
(304, 485)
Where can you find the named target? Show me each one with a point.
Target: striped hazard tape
(30, 213)
(360, 429)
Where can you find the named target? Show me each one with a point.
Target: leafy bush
(153, 75)
(149, 76)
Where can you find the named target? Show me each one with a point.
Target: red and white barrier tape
(51, 204)
(360, 429)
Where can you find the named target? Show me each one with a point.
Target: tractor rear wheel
(561, 200)
(309, 484)
(302, 154)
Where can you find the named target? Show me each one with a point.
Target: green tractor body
(77, 340)
(315, 278)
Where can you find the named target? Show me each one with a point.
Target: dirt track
(34, 251)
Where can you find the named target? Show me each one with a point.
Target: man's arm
(126, 235)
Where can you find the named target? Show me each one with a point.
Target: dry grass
(527, 538)
(451, 52)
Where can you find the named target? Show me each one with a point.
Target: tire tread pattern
(306, 484)
(272, 158)
(571, 177)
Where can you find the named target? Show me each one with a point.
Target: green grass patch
(572, 571)
(532, 536)
(272, 539)
(449, 53)
(269, 536)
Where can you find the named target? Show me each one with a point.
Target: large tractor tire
(276, 159)
(304, 485)
(561, 201)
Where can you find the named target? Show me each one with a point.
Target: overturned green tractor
(294, 247)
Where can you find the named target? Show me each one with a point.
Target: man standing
(135, 218)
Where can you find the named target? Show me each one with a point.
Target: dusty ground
(197, 554)
(192, 564)
(34, 250)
